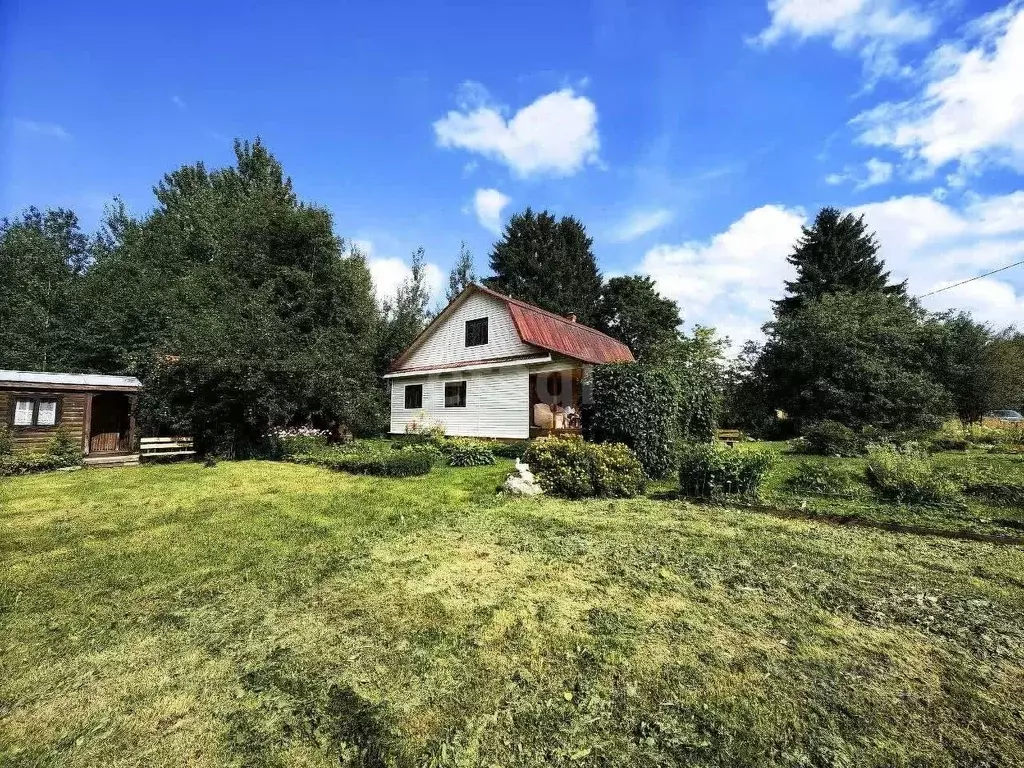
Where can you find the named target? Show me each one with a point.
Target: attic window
(476, 332)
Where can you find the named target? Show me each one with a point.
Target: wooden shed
(97, 410)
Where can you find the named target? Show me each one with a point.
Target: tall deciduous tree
(1005, 369)
(836, 254)
(958, 357)
(405, 314)
(549, 263)
(462, 274)
(632, 311)
(236, 303)
(42, 254)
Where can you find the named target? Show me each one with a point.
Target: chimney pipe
(571, 317)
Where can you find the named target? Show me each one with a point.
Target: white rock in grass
(522, 483)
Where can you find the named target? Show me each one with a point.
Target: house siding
(497, 402)
(447, 344)
(71, 418)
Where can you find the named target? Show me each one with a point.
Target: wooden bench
(162, 447)
(729, 436)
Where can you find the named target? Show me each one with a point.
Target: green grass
(973, 515)
(261, 614)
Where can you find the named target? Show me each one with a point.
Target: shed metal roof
(65, 380)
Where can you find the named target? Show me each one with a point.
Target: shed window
(455, 394)
(414, 396)
(35, 412)
(476, 332)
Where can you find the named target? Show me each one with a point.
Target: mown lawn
(272, 614)
(973, 514)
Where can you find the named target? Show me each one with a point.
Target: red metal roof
(540, 328)
(553, 332)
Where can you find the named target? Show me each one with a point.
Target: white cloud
(556, 134)
(178, 101)
(875, 172)
(487, 205)
(730, 280)
(640, 223)
(878, 172)
(389, 273)
(970, 110)
(41, 128)
(874, 29)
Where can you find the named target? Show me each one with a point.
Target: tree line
(241, 310)
(847, 344)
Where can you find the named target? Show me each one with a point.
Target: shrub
(64, 449)
(426, 449)
(824, 478)
(910, 476)
(464, 452)
(299, 441)
(26, 463)
(576, 469)
(830, 438)
(639, 406)
(372, 462)
(514, 450)
(6, 441)
(707, 471)
(467, 453)
(617, 472)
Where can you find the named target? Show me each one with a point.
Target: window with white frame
(34, 412)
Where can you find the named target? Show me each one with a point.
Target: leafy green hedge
(379, 463)
(61, 451)
(710, 470)
(576, 469)
(638, 406)
(513, 450)
(463, 452)
(830, 438)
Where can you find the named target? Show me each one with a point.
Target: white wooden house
(492, 366)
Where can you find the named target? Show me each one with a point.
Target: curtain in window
(23, 413)
(47, 415)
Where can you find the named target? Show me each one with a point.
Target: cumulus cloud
(970, 109)
(487, 205)
(389, 273)
(640, 223)
(874, 29)
(555, 135)
(729, 281)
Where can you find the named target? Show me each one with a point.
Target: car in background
(1011, 416)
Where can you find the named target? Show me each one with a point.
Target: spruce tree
(837, 254)
(549, 263)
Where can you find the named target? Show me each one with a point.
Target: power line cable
(971, 280)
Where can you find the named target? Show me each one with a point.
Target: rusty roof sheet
(553, 332)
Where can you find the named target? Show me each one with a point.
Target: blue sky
(692, 139)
